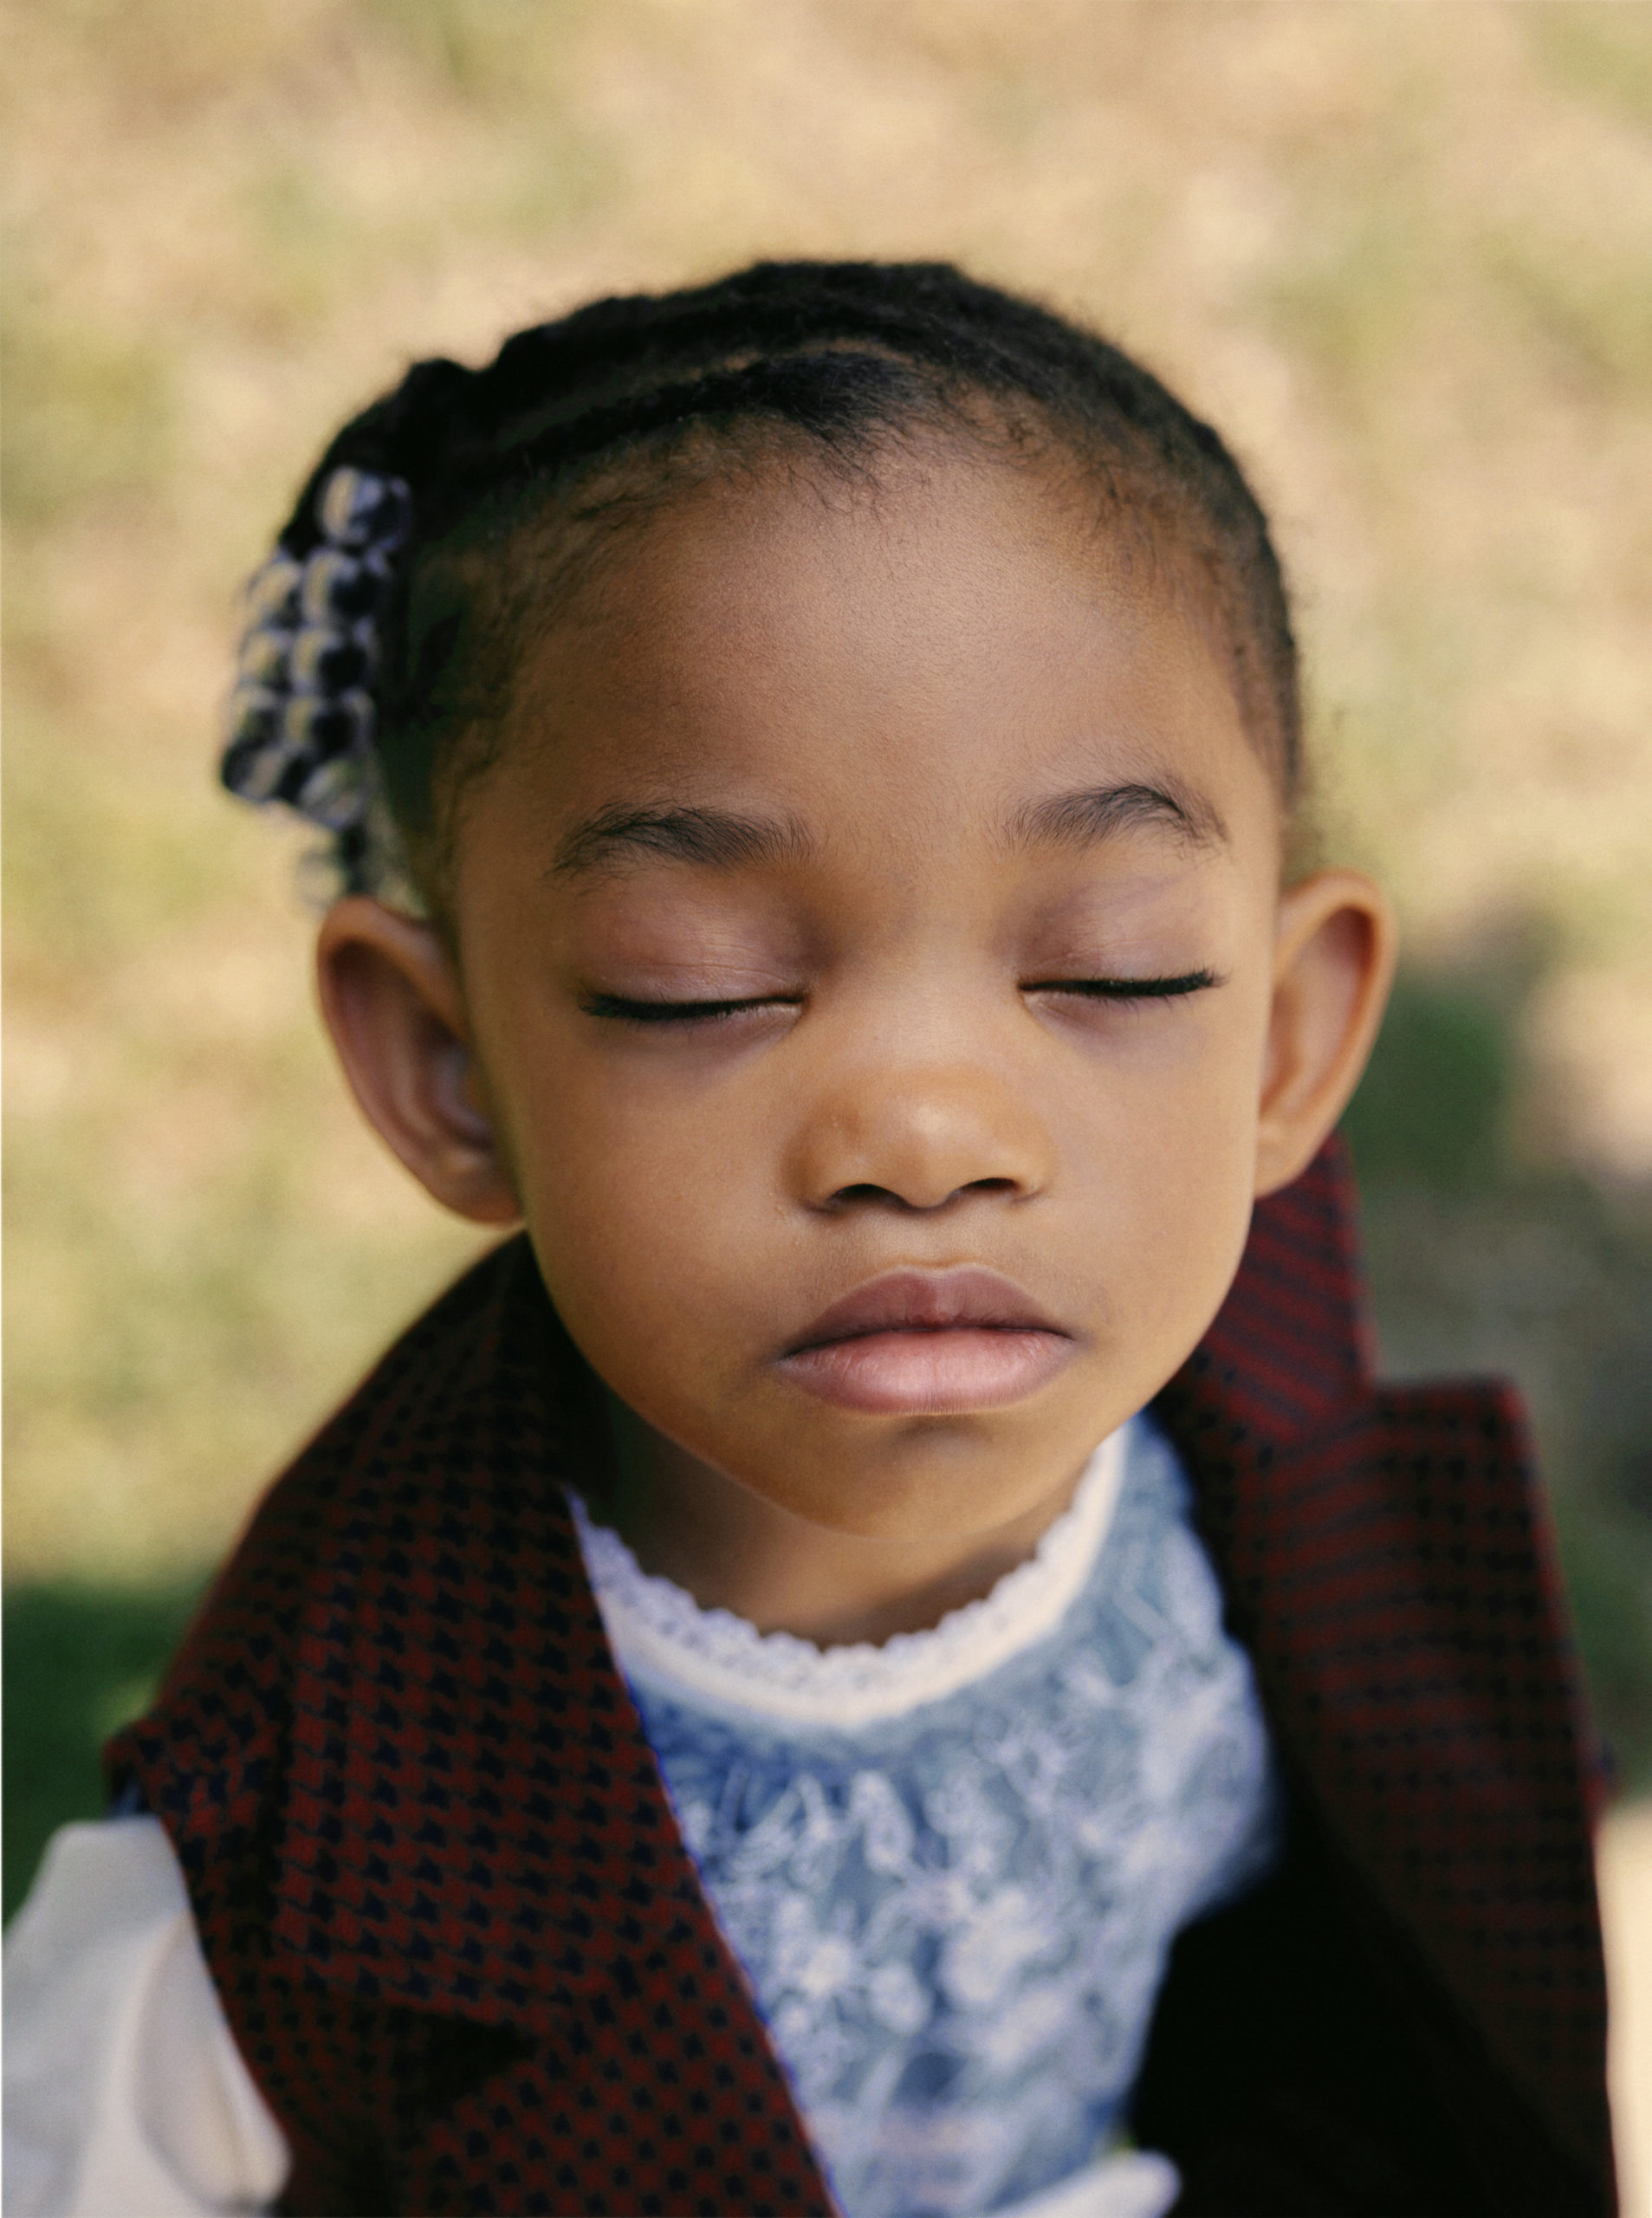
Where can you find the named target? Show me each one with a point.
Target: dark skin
(867, 884)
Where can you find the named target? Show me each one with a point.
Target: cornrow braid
(840, 355)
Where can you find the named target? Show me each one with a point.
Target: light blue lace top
(952, 1867)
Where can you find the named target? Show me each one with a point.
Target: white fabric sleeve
(125, 2092)
(1125, 2183)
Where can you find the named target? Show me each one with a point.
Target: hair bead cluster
(301, 717)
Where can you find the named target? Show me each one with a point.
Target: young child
(885, 1653)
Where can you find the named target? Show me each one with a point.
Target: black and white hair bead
(300, 718)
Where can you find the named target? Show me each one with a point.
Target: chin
(953, 1475)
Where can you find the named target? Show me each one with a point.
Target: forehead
(946, 642)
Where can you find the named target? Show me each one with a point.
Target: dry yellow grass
(1398, 251)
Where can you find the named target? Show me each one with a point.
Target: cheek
(638, 1200)
(1159, 1149)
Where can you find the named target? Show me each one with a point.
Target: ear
(1333, 966)
(393, 1004)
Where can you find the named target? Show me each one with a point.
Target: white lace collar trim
(659, 1633)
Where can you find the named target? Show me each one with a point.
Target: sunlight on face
(867, 933)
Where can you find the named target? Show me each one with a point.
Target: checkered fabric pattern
(1387, 1562)
(468, 1959)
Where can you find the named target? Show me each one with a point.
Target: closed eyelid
(639, 1010)
(1167, 988)
(636, 974)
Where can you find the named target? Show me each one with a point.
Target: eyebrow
(1091, 814)
(718, 839)
(713, 838)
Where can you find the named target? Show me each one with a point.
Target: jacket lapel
(1386, 1561)
(475, 1823)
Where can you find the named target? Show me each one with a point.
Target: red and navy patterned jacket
(467, 1957)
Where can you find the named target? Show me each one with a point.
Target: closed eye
(626, 1011)
(1127, 989)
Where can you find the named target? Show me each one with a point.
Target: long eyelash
(1111, 990)
(1128, 989)
(665, 1012)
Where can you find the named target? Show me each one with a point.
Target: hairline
(1161, 522)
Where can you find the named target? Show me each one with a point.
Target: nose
(916, 1140)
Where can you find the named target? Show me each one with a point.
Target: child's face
(803, 925)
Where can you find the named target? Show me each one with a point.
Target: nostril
(864, 1194)
(847, 1196)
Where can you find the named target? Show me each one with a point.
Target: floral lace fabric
(955, 1909)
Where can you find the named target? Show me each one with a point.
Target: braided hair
(380, 651)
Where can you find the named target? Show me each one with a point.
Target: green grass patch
(79, 1661)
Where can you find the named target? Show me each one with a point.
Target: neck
(731, 1549)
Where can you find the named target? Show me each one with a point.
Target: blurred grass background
(1399, 252)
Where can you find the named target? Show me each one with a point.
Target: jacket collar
(474, 1821)
(1387, 1561)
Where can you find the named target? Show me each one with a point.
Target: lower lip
(929, 1373)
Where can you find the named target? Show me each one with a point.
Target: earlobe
(394, 1007)
(1333, 966)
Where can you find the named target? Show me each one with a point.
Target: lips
(931, 1342)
